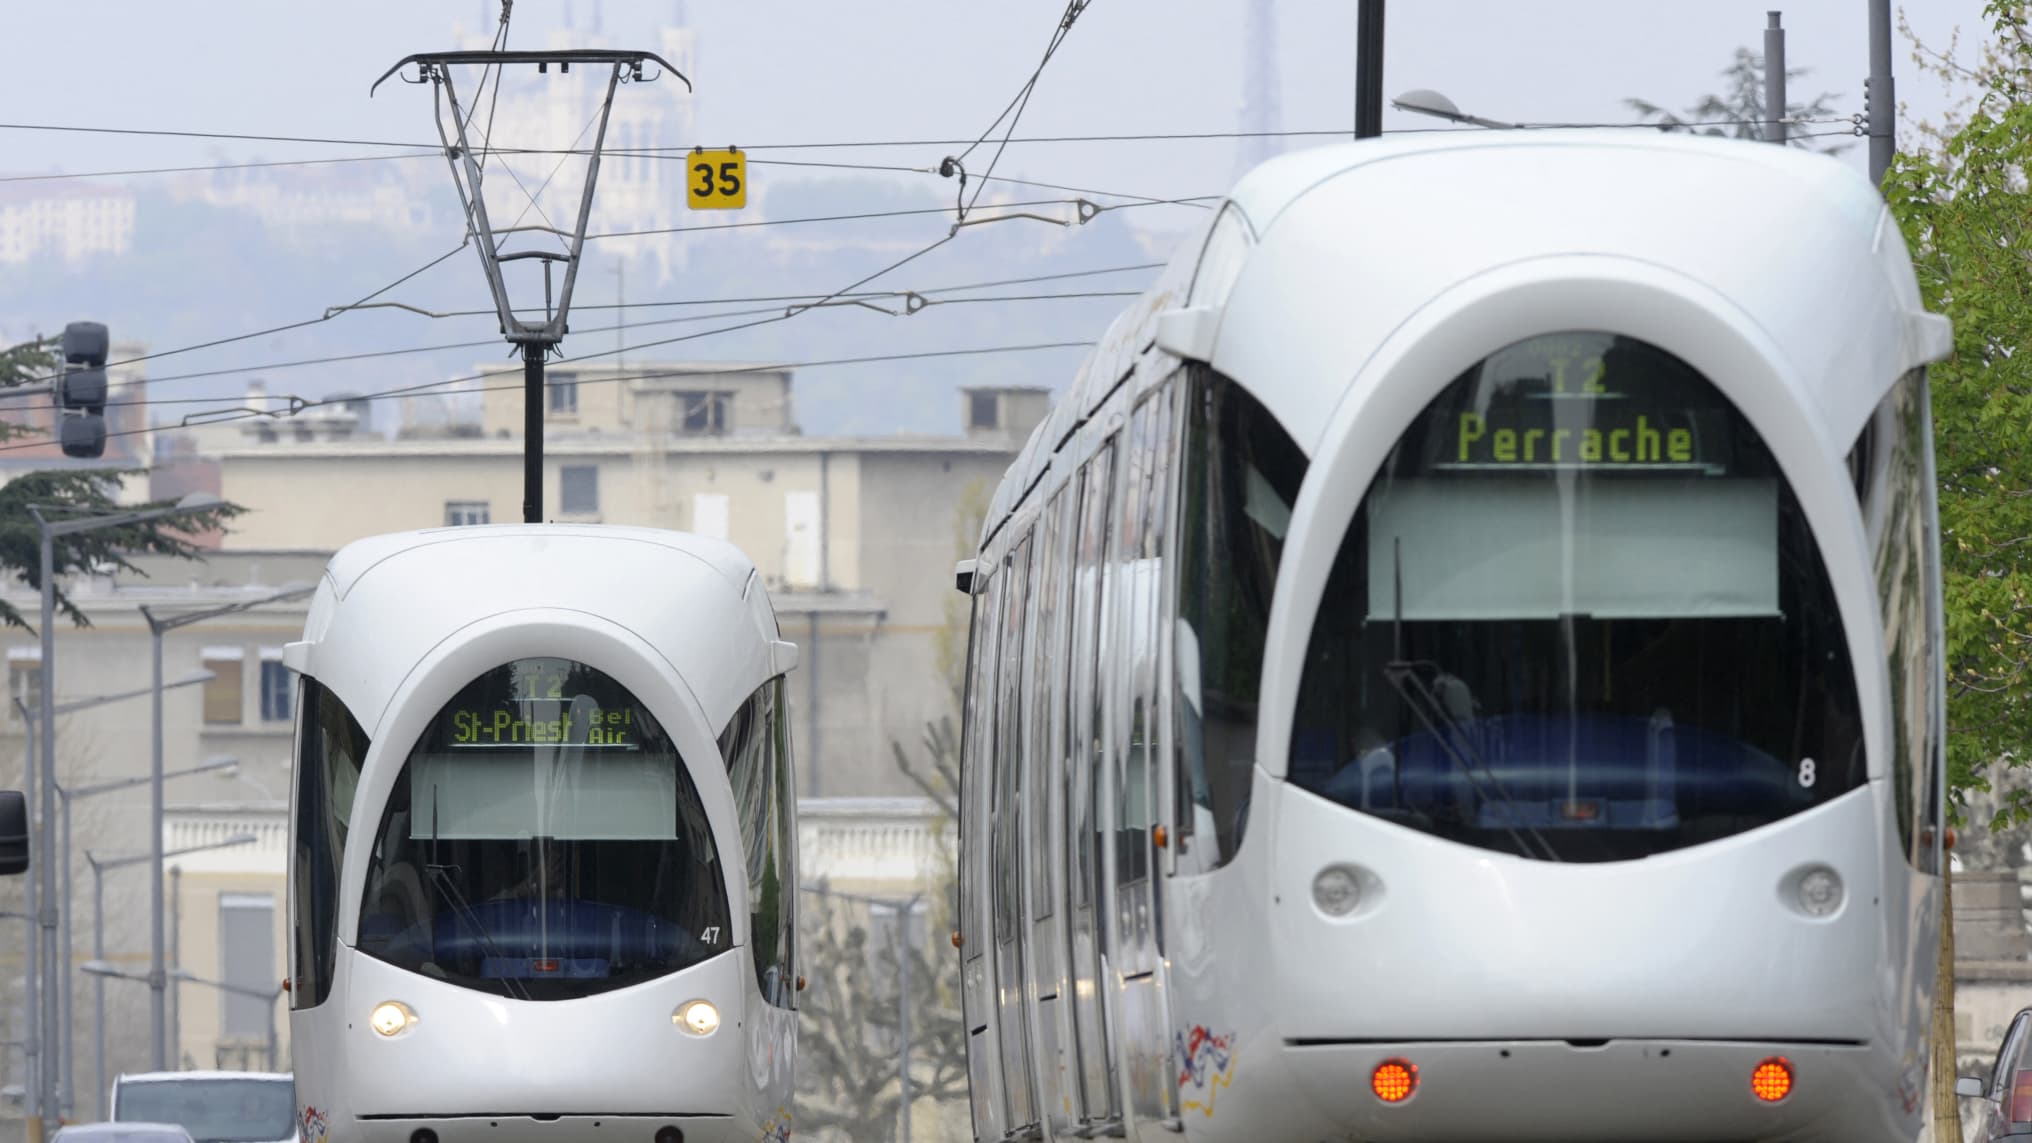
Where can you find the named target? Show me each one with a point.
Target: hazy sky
(774, 72)
(782, 71)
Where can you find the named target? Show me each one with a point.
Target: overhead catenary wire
(218, 341)
(334, 359)
(1013, 112)
(336, 310)
(1136, 201)
(427, 150)
(406, 391)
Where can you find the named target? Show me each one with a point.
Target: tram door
(1044, 811)
(1141, 1003)
(1006, 829)
(1094, 1089)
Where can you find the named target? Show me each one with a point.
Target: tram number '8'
(719, 180)
(1808, 773)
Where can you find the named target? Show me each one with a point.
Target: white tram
(1461, 663)
(542, 861)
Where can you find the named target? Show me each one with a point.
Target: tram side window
(757, 750)
(1046, 697)
(976, 742)
(1090, 615)
(1009, 750)
(329, 749)
(1239, 477)
(1142, 553)
(1900, 518)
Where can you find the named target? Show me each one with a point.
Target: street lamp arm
(236, 989)
(89, 701)
(144, 779)
(1426, 102)
(285, 594)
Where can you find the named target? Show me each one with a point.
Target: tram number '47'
(719, 180)
(711, 935)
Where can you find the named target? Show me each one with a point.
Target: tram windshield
(1579, 616)
(544, 841)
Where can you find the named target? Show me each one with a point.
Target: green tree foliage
(1738, 111)
(71, 492)
(1967, 217)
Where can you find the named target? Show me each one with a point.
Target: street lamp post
(158, 625)
(67, 796)
(66, 1003)
(47, 533)
(99, 868)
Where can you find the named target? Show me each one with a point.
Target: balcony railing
(904, 843)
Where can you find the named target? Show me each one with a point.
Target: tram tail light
(1393, 1081)
(1771, 1080)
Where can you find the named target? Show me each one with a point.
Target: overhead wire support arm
(536, 338)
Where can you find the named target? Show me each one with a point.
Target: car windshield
(1579, 616)
(544, 841)
(214, 1110)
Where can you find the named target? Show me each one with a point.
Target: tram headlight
(698, 1017)
(1820, 892)
(1336, 891)
(390, 1017)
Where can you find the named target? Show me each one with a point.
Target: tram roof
(696, 601)
(1354, 239)
(354, 560)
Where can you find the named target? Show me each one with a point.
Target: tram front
(1601, 677)
(515, 913)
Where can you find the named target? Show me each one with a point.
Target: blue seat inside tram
(1584, 771)
(521, 939)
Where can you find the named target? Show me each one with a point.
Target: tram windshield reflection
(544, 841)
(1579, 616)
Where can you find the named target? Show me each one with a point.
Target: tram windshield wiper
(440, 875)
(1434, 712)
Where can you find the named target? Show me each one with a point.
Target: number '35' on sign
(719, 180)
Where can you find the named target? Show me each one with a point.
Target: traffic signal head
(85, 343)
(81, 390)
(82, 434)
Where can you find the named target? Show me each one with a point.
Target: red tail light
(545, 964)
(1393, 1081)
(2018, 1104)
(1772, 1079)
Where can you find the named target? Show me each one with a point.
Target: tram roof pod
(1342, 246)
(407, 593)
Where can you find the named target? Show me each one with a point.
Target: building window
(564, 393)
(706, 412)
(246, 961)
(278, 687)
(982, 411)
(578, 489)
(222, 693)
(460, 513)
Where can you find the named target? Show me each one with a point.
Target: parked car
(121, 1133)
(2006, 1094)
(214, 1107)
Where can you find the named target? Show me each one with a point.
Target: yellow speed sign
(719, 180)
